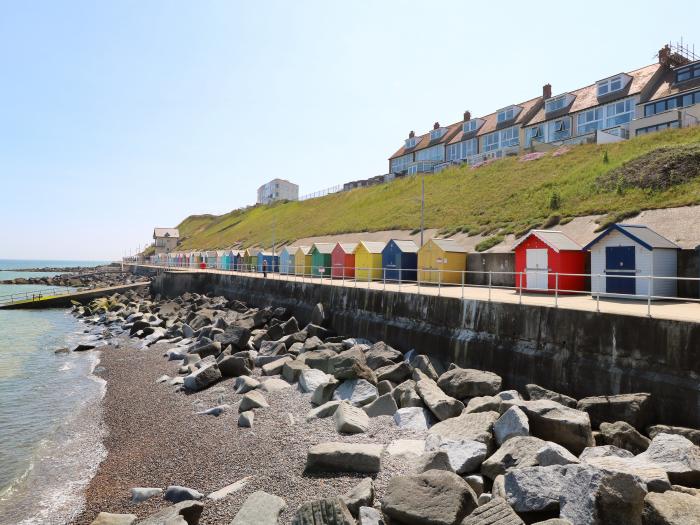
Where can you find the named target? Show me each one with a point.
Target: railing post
(597, 299)
(384, 279)
(463, 285)
(520, 288)
(649, 296)
(490, 285)
(418, 279)
(556, 290)
(439, 281)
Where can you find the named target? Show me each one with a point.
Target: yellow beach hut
(302, 260)
(444, 255)
(368, 260)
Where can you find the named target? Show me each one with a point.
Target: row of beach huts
(623, 259)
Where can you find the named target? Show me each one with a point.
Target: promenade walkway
(679, 309)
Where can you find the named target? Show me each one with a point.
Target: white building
(166, 239)
(277, 190)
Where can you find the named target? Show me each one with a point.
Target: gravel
(156, 440)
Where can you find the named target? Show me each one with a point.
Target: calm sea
(50, 431)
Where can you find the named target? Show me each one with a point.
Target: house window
(470, 125)
(681, 101)
(555, 104)
(462, 150)
(507, 114)
(603, 117)
(510, 137)
(559, 129)
(400, 164)
(688, 72)
(610, 85)
(413, 169)
(658, 127)
(437, 133)
(436, 152)
(619, 113)
(534, 133)
(410, 142)
(491, 141)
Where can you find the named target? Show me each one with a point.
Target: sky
(119, 116)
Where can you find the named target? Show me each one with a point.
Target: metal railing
(34, 295)
(554, 287)
(322, 193)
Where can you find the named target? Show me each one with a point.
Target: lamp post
(422, 206)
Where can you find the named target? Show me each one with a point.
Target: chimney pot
(411, 134)
(436, 125)
(467, 116)
(547, 91)
(664, 54)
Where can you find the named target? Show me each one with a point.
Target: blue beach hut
(400, 260)
(287, 259)
(273, 261)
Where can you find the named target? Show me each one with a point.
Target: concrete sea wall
(573, 352)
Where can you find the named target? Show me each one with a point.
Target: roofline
(536, 234)
(621, 228)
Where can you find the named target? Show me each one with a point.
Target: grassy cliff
(505, 196)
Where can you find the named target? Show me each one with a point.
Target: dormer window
(612, 84)
(410, 142)
(508, 114)
(557, 103)
(437, 133)
(688, 72)
(471, 125)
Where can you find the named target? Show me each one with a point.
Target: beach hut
(368, 261)
(625, 251)
(223, 258)
(250, 259)
(441, 261)
(211, 258)
(302, 260)
(321, 259)
(233, 259)
(400, 260)
(541, 255)
(273, 261)
(287, 259)
(343, 260)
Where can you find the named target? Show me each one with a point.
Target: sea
(50, 420)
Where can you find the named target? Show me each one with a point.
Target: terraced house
(658, 96)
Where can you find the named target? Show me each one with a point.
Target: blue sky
(117, 116)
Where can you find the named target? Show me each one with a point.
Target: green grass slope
(506, 196)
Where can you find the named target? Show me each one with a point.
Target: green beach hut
(321, 264)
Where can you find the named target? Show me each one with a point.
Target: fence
(455, 283)
(34, 295)
(322, 193)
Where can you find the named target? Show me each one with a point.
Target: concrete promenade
(677, 310)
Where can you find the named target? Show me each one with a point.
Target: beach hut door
(536, 269)
(620, 261)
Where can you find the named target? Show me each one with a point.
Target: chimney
(411, 134)
(436, 125)
(467, 116)
(547, 91)
(665, 55)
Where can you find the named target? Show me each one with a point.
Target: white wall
(643, 261)
(665, 264)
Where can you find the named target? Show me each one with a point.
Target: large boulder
(604, 451)
(634, 409)
(494, 512)
(319, 315)
(435, 497)
(275, 367)
(319, 359)
(235, 335)
(323, 411)
(477, 427)
(357, 391)
(438, 402)
(516, 453)
(231, 366)
(202, 377)
(536, 393)
(464, 456)
(691, 434)
(671, 508)
(623, 435)
(654, 478)
(362, 495)
(324, 392)
(382, 406)
(381, 354)
(350, 419)
(251, 400)
(310, 379)
(484, 404)
(552, 421)
(344, 457)
(462, 383)
(291, 370)
(328, 511)
(422, 362)
(413, 418)
(534, 489)
(553, 454)
(676, 455)
(108, 518)
(405, 395)
(512, 423)
(260, 508)
(396, 373)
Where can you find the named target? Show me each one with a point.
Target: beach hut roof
(406, 246)
(347, 247)
(324, 247)
(555, 239)
(372, 246)
(449, 245)
(306, 250)
(638, 233)
(289, 249)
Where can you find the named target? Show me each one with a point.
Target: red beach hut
(541, 255)
(343, 260)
